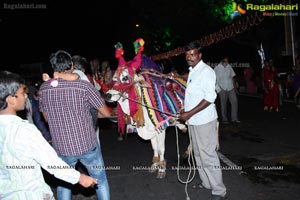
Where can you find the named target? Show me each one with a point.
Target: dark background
(92, 28)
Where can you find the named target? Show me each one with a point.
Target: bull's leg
(162, 170)
(155, 159)
(155, 164)
(162, 163)
(160, 137)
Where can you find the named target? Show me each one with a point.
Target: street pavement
(260, 159)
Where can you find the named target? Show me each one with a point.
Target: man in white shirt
(201, 117)
(23, 150)
(226, 88)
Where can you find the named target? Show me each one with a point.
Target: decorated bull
(147, 99)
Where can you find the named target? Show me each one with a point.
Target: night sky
(30, 35)
(92, 28)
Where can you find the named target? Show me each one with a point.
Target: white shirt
(28, 107)
(84, 77)
(224, 77)
(201, 85)
(23, 151)
(81, 75)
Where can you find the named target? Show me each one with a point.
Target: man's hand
(184, 116)
(104, 112)
(45, 77)
(87, 181)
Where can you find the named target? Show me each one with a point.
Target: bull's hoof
(162, 169)
(161, 175)
(155, 164)
(154, 167)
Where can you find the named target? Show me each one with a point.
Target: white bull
(149, 100)
(146, 128)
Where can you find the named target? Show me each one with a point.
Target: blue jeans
(94, 164)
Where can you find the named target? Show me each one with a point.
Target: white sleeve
(218, 88)
(216, 70)
(81, 75)
(209, 85)
(97, 85)
(41, 151)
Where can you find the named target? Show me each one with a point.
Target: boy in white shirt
(23, 150)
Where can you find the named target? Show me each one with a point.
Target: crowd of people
(63, 137)
(24, 150)
(60, 123)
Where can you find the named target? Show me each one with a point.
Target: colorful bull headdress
(132, 67)
(163, 97)
(136, 62)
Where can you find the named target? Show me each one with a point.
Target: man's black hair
(193, 45)
(9, 84)
(61, 61)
